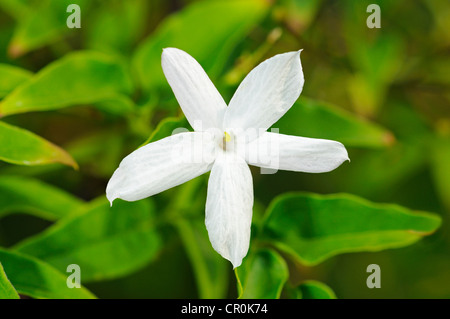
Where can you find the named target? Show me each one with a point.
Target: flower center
(226, 139)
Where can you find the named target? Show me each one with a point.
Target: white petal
(294, 153)
(229, 207)
(161, 165)
(199, 99)
(266, 94)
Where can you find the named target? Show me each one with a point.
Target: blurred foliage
(99, 93)
(311, 289)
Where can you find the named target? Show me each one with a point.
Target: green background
(74, 102)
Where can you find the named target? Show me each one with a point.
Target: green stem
(196, 258)
(184, 201)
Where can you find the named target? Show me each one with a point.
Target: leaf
(376, 58)
(310, 118)
(22, 147)
(116, 104)
(378, 172)
(86, 150)
(79, 78)
(105, 242)
(105, 144)
(312, 228)
(33, 30)
(262, 275)
(21, 194)
(312, 289)
(37, 279)
(7, 290)
(116, 26)
(15, 8)
(223, 25)
(11, 77)
(378, 65)
(168, 127)
(298, 14)
(379, 61)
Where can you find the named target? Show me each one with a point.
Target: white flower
(228, 138)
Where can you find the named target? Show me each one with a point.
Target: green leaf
(298, 14)
(22, 147)
(116, 104)
(7, 290)
(376, 58)
(15, 8)
(262, 275)
(37, 279)
(312, 289)
(79, 78)
(223, 25)
(11, 77)
(310, 118)
(106, 144)
(105, 242)
(378, 64)
(312, 228)
(378, 172)
(379, 61)
(33, 30)
(167, 127)
(117, 25)
(20, 194)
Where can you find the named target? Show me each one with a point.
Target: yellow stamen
(226, 137)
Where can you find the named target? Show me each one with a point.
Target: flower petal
(266, 93)
(199, 99)
(229, 207)
(161, 165)
(295, 153)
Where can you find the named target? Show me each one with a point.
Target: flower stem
(186, 201)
